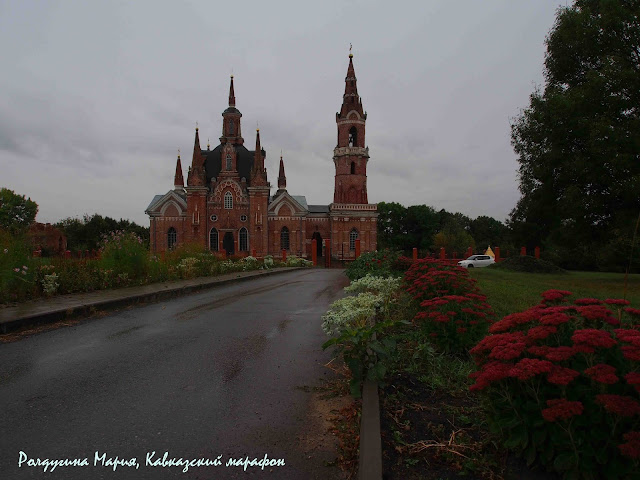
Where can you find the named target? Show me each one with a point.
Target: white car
(477, 261)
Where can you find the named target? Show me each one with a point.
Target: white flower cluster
(370, 283)
(228, 266)
(50, 284)
(295, 261)
(350, 312)
(268, 261)
(188, 266)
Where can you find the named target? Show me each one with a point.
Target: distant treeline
(86, 233)
(421, 226)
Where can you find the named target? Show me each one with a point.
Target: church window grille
(353, 235)
(229, 162)
(284, 238)
(213, 240)
(228, 201)
(244, 240)
(214, 218)
(172, 238)
(243, 218)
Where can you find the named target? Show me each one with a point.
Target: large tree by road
(578, 142)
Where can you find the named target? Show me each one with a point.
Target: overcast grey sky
(97, 96)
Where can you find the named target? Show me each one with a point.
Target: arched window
(228, 201)
(229, 162)
(213, 240)
(353, 235)
(353, 168)
(244, 240)
(353, 137)
(284, 238)
(230, 127)
(172, 238)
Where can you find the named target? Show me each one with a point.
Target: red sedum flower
(602, 373)
(592, 337)
(631, 449)
(619, 404)
(561, 409)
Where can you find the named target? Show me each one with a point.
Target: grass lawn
(509, 292)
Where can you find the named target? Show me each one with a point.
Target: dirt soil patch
(436, 435)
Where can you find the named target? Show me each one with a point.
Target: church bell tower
(350, 156)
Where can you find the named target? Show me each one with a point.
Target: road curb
(79, 309)
(370, 461)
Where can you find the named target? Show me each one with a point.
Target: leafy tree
(422, 224)
(391, 225)
(487, 231)
(16, 211)
(86, 234)
(453, 238)
(578, 142)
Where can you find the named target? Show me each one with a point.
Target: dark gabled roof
(318, 208)
(155, 199)
(213, 162)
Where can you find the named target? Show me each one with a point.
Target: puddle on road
(10, 373)
(115, 336)
(195, 311)
(235, 355)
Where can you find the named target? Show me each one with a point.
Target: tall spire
(178, 181)
(196, 176)
(282, 179)
(232, 95)
(351, 100)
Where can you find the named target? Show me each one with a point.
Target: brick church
(226, 204)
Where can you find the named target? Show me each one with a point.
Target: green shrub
(527, 263)
(125, 254)
(561, 384)
(17, 268)
(379, 263)
(359, 326)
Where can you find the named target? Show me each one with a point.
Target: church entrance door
(318, 238)
(227, 243)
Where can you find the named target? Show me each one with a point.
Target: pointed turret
(351, 100)
(232, 95)
(196, 175)
(178, 181)
(231, 120)
(258, 172)
(282, 179)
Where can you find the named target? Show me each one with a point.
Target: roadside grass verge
(508, 292)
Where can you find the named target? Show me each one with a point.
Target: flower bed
(562, 384)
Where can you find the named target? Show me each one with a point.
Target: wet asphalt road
(223, 372)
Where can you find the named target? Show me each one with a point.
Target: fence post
(327, 252)
(357, 247)
(314, 252)
(415, 254)
(537, 252)
(469, 252)
(497, 252)
(67, 254)
(523, 251)
(284, 255)
(442, 253)
(253, 253)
